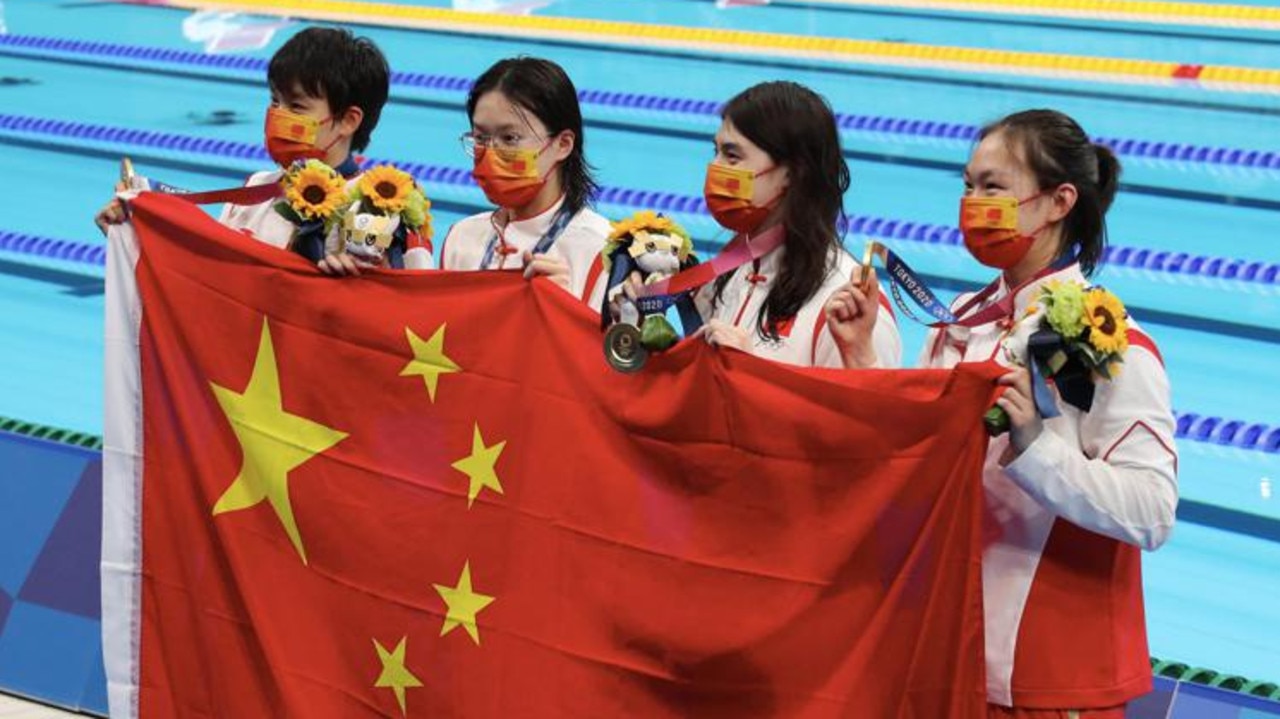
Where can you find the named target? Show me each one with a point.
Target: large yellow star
(394, 673)
(464, 605)
(429, 360)
(272, 441)
(480, 466)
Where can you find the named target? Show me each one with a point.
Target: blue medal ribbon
(558, 225)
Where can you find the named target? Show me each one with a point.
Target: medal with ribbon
(906, 281)
(625, 348)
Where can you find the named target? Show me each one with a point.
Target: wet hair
(347, 71)
(796, 127)
(543, 88)
(1058, 152)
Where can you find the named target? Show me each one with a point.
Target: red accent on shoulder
(1107, 455)
(1141, 339)
(785, 327)
(593, 275)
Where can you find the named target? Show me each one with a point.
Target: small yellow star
(429, 360)
(273, 442)
(464, 605)
(394, 673)
(480, 466)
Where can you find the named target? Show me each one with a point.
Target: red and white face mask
(291, 137)
(990, 229)
(729, 191)
(510, 178)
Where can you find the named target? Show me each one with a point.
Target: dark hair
(796, 127)
(346, 70)
(544, 89)
(1058, 151)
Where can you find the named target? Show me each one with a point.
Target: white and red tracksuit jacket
(579, 245)
(1065, 521)
(804, 339)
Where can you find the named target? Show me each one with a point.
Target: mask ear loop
(772, 204)
(1032, 234)
(330, 119)
(554, 166)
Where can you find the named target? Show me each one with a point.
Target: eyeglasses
(474, 144)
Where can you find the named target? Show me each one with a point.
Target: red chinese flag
(426, 494)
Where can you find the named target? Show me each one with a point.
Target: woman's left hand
(719, 333)
(1025, 424)
(553, 268)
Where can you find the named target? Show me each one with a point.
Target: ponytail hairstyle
(1059, 152)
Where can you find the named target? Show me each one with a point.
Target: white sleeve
(1122, 482)
(228, 210)
(446, 259)
(580, 246)
(825, 351)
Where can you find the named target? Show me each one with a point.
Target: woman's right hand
(851, 318)
(113, 213)
(630, 288)
(340, 264)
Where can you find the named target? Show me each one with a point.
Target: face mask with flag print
(990, 229)
(292, 137)
(728, 192)
(509, 178)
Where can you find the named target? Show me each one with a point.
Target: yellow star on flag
(272, 441)
(395, 675)
(464, 605)
(429, 360)
(480, 466)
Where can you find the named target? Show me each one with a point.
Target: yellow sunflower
(386, 187)
(642, 220)
(315, 191)
(1105, 315)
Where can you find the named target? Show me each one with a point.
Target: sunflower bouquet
(1080, 337)
(313, 193)
(384, 206)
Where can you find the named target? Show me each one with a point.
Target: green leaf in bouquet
(1064, 308)
(414, 213)
(285, 210)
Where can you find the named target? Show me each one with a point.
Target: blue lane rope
(1125, 147)
(53, 249)
(1228, 432)
(1182, 263)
